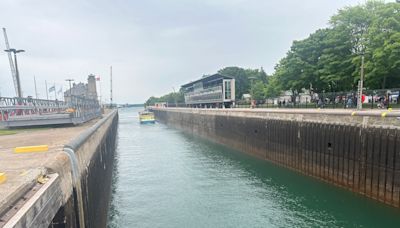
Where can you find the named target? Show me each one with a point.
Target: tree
(242, 83)
(257, 91)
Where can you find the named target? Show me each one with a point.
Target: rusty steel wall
(363, 159)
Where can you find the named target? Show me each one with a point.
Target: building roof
(207, 78)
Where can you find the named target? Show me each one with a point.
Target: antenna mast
(111, 95)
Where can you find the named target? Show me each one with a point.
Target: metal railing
(372, 99)
(78, 109)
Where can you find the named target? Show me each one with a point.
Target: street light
(15, 51)
(70, 90)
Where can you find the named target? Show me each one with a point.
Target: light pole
(15, 51)
(361, 84)
(70, 89)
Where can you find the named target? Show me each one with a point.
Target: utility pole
(47, 91)
(111, 87)
(361, 85)
(34, 79)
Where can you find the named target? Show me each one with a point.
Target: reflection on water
(165, 178)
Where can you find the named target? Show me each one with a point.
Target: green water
(165, 178)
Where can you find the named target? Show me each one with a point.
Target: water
(165, 178)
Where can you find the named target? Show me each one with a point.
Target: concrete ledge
(376, 118)
(41, 208)
(82, 138)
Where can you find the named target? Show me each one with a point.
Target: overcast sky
(153, 46)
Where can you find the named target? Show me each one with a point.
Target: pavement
(23, 169)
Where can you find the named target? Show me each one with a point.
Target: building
(83, 90)
(213, 91)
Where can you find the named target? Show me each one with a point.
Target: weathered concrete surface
(24, 169)
(359, 152)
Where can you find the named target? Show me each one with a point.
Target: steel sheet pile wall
(361, 158)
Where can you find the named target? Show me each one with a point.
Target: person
(349, 103)
(386, 103)
(320, 103)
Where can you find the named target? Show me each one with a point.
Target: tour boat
(146, 117)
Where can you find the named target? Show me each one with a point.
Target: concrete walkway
(23, 169)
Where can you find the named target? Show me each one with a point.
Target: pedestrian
(349, 103)
(320, 103)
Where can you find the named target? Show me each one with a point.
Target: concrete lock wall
(359, 153)
(86, 200)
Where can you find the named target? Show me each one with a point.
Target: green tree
(257, 91)
(241, 79)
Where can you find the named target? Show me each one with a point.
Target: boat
(146, 117)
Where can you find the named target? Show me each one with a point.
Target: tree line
(329, 60)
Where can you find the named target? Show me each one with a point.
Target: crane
(17, 85)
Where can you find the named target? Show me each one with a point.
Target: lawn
(7, 132)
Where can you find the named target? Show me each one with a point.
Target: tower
(91, 87)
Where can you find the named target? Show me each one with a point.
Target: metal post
(47, 91)
(34, 79)
(111, 89)
(360, 89)
(17, 76)
(55, 92)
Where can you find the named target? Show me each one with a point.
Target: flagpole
(34, 79)
(55, 91)
(47, 92)
(100, 89)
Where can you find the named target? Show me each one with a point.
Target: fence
(372, 99)
(36, 111)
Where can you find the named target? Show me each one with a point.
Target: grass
(18, 130)
(7, 132)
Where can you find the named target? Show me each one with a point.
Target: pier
(52, 176)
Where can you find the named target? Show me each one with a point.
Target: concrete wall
(359, 153)
(87, 187)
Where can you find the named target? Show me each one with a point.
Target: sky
(152, 46)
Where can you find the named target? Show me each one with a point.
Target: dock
(47, 172)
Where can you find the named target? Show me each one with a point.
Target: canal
(165, 178)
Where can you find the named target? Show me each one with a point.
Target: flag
(98, 78)
(53, 88)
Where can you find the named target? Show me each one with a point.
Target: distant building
(210, 92)
(83, 90)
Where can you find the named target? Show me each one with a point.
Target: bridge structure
(21, 112)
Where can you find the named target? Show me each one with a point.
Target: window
(227, 85)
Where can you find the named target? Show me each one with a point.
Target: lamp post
(15, 51)
(70, 89)
(361, 84)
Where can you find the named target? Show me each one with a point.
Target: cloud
(152, 45)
